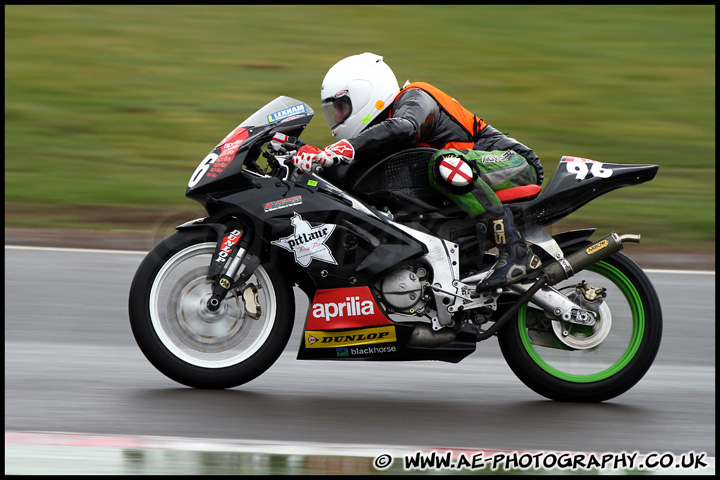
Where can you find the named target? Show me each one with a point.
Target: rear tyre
(592, 364)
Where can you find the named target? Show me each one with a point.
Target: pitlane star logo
(308, 242)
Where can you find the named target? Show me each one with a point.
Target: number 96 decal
(582, 166)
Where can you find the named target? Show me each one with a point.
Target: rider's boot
(515, 259)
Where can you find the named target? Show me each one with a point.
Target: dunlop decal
(365, 336)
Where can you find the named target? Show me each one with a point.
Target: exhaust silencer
(600, 250)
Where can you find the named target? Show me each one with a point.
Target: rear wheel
(188, 342)
(577, 363)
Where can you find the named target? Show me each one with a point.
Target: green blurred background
(109, 109)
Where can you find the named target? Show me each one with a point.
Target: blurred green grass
(111, 107)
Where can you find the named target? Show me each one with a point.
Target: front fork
(227, 268)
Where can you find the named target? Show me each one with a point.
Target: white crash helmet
(355, 91)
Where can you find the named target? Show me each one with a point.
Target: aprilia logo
(352, 306)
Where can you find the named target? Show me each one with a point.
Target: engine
(403, 290)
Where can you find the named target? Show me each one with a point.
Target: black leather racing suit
(416, 118)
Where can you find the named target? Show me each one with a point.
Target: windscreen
(279, 110)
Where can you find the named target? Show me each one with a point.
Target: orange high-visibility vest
(466, 119)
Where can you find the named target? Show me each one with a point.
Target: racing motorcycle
(390, 269)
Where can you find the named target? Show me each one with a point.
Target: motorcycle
(390, 269)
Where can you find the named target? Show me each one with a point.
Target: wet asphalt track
(71, 365)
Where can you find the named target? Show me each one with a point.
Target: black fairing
(362, 247)
(234, 176)
(325, 238)
(569, 189)
(399, 182)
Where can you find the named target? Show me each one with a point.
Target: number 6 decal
(202, 168)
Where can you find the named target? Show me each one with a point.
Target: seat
(518, 193)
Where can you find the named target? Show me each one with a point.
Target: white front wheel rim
(193, 333)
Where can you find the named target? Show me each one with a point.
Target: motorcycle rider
(371, 117)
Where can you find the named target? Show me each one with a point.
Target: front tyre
(589, 364)
(193, 345)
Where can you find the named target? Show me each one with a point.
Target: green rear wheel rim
(638, 329)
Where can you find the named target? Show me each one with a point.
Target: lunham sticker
(308, 242)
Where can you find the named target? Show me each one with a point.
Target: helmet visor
(337, 110)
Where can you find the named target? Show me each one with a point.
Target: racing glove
(308, 155)
(341, 151)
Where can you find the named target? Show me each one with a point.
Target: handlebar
(283, 154)
(290, 144)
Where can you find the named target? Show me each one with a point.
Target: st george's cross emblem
(455, 171)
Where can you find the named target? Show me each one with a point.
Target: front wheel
(188, 342)
(577, 363)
